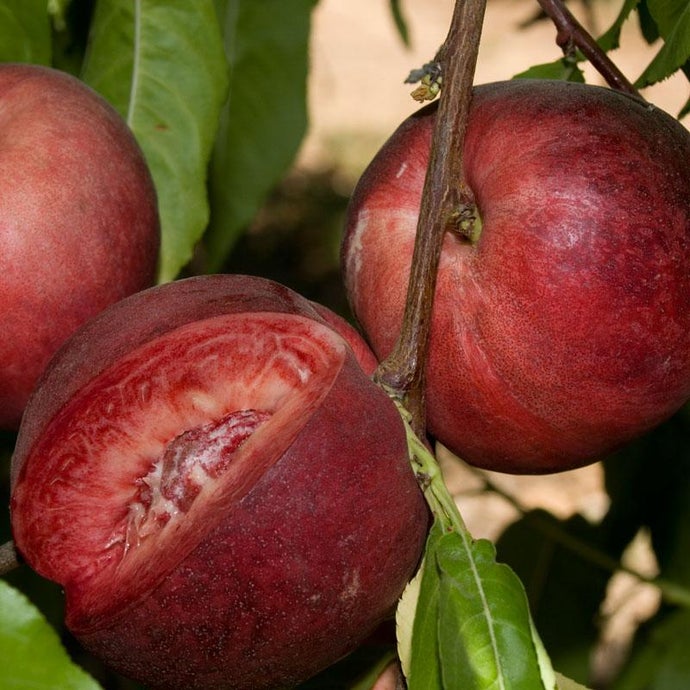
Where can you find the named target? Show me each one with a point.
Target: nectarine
(78, 219)
(561, 322)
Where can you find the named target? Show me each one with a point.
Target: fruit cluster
(207, 468)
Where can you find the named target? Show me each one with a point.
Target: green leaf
(161, 64)
(555, 561)
(265, 117)
(648, 27)
(25, 31)
(400, 22)
(673, 20)
(472, 627)
(405, 618)
(660, 660)
(685, 110)
(564, 683)
(485, 637)
(667, 14)
(564, 69)
(38, 659)
(423, 670)
(610, 40)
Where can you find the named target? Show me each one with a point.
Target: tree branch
(446, 200)
(571, 34)
(672, 593)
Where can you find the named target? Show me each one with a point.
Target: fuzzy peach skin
(219, 487)
(79, 225)
(563, 331)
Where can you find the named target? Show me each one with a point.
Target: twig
(671, 592)
(571, 34)
(446, 199)
(9, 559)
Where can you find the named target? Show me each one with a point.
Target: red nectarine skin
(564, 330)
(223, 493)
(78, 219)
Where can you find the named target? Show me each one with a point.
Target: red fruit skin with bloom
(564, 331)
(79, 225)
(295, 576)
(298, 551)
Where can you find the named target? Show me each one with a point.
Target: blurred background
(359, 63)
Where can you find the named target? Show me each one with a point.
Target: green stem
(430, 478)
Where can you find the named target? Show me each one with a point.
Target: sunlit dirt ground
(359, 64)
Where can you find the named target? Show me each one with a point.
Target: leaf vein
(136, 61)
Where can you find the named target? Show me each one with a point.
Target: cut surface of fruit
(174, 428)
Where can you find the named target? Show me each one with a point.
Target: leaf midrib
(136, 63)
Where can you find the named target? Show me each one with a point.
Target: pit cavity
(189, 462)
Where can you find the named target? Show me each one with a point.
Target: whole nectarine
(78, 219)
(561, 322)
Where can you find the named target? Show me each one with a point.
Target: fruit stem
(430, 478)
(9, 559)
(446, 201)
(571, 35)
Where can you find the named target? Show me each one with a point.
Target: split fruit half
(221, 490)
